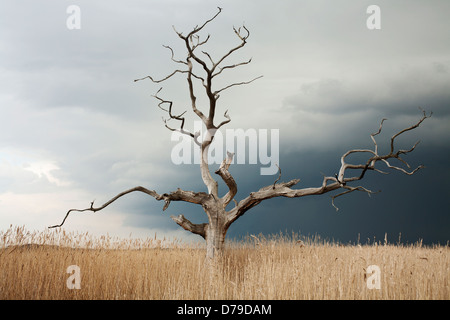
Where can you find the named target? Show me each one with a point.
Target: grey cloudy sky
(75, 127)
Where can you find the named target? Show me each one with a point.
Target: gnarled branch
(215, 207)
(339, 181)
(228, 178)
(211, 69)
(231, 67)
(175, 117)
(225, 121)
(178, 195)
(216, 93)
(350, 189)
(199, 229)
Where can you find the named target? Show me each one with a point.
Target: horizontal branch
(178, 195)
(163, 79)
(199, 229)
(350, 189)
(231, 67)
(339, 181)
(236, 84)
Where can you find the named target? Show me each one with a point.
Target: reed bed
(33, 265)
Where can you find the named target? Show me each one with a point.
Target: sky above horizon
(75, 127)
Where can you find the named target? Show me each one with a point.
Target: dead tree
(215, 206)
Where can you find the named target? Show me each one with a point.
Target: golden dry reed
(34, 265)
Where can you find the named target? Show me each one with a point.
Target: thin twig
(279, 176)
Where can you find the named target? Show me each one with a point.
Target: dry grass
(33, 266)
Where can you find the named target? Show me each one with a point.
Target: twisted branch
(179, 195)
(175, 117)
(199, 229)
(227, 178)
(339, 181)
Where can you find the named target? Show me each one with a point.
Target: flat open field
(34, 265)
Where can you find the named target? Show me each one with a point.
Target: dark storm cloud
(412, 206)
(72, 112)
(397, 94)
(409, 207)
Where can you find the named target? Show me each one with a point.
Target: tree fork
(219, 219)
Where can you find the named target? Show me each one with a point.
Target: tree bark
(216, 231)
(215, 240)
(219, 219)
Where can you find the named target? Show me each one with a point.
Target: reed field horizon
(44, 265)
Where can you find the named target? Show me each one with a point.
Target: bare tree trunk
(219, 220)
(216, 228)
(215, 239)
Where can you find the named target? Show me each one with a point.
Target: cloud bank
(74, 127)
